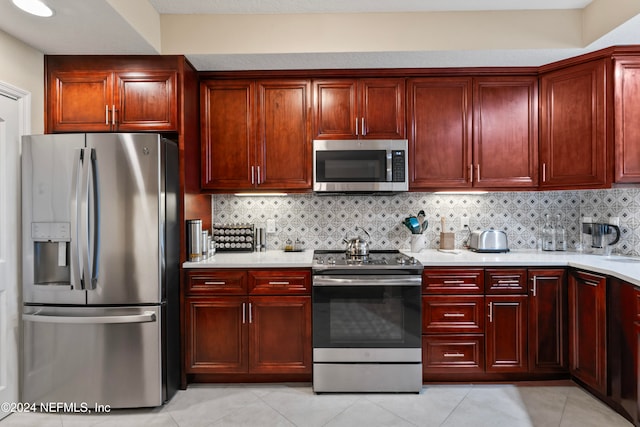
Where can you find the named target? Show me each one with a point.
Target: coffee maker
(594, 236)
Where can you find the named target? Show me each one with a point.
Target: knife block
(447, 240)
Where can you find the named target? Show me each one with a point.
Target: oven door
(355, 316)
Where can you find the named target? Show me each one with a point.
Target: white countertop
(625, 268)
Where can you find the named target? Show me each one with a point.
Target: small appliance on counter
(488, 241)
(594, 235)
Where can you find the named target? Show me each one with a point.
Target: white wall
(23, 66)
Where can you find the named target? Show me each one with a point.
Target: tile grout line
(472, 386)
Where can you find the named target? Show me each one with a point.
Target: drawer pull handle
(508, 282)
(453, 355)
(454, 315)
(279, 283)
(590, 283)
(453, 282)
(215, 283)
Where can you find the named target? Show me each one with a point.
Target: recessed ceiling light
(34, 7)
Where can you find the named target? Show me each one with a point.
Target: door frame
(23, 99)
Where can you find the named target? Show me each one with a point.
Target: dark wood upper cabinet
(79, 100)
(146, 101)
(573, 127)
(626, 113)
(368, 108)
(227, 134)
(111, 96)
(284, 134)
(256, 134)
(473, 132)
(505, 137)
(440, 132)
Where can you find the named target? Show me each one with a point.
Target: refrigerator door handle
(146, 317)
(75, 255)
(93, 240)
(84, 217)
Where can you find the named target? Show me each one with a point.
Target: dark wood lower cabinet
(506, 333)
(588, 330)
(280, 334)
(548, 346)
(216, 337)
(623, 299)
(463, 353)
(248, 325)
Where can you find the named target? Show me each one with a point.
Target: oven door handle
(364, 280)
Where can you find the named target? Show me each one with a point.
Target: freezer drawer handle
(147, 316)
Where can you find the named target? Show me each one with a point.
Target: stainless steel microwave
(366, 165)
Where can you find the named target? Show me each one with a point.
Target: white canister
(418, 242)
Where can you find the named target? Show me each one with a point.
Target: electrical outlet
(271, 225)
(464, 222)
(614, 220)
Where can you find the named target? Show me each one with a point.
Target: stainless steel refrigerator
(100, 256)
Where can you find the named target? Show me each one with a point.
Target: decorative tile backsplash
(323, 221)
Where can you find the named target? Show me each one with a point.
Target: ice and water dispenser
(51, 241)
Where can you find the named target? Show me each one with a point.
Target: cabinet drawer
(447, 314)
(506, 281)
(453, 353)
(220, 282)
(453, 281)
(278, 282)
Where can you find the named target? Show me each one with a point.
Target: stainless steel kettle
(358, 246)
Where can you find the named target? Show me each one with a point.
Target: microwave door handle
(75, 253)
(389, 166)
(94, 222)
(84, 218)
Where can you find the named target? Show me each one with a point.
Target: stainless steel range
(366, 322)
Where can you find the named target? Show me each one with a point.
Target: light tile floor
(510, 405)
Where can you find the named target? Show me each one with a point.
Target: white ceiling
(96, 27)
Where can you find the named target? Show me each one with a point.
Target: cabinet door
(216, 340)
(280, 335)
(284, 135)
(548, 345)
(439, 133)
(573, 134)
(382, 108)
(622, 359)
(506, 333)
(227, 136)
(146, 101)
(505, 120)
(627, 111)
(80, 101)
(335, 109)
(587, 329)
